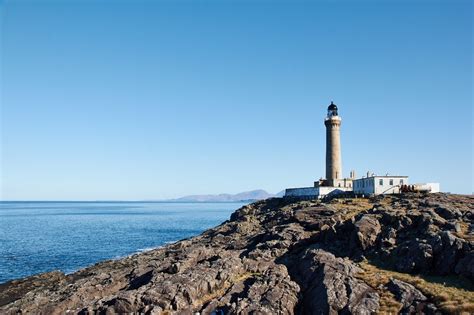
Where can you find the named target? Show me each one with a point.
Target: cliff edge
(390, 254)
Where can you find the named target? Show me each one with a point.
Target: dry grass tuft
(450, 298)
(377, 280)
(351, 207)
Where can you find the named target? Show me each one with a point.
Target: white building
(315, 192)
(377, 185)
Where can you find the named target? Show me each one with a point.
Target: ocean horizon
(42, 236)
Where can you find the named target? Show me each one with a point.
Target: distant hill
(259, 194)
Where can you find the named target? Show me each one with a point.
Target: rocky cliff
(408, 254)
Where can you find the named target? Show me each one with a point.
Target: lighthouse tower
(333, 146)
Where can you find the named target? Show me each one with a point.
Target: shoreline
(41, 237)
(281, 256)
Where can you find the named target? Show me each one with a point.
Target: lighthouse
(333, 145)
(336, 184)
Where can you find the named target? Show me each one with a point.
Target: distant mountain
(243, 196)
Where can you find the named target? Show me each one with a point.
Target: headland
(403, 253)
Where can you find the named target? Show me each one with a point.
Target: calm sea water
(43, 236)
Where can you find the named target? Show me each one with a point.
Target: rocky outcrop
(330, 286)
(277, 257)
(366, 230)
(413, 300)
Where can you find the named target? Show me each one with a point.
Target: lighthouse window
(381, 182)
(391, 182)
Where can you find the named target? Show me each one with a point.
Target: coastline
(280, 256)
(41, 237)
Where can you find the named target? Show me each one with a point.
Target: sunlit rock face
(278, 256)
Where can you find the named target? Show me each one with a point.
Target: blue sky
(157, 99)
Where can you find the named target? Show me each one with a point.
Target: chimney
(352, 174)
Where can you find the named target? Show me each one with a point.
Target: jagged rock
(329, 284)
(273, 257)
(413, 256)
(367, 228)
(448, 252)
(453, 225)
(413, 300)
(448, 212)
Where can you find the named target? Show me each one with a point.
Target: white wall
(432, 187)
(388, 188)
(330, 191)
(301, 192)
(318, 192)
(372, 185)
(366, 189)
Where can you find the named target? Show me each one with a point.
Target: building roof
(332, 106)
(383, 176)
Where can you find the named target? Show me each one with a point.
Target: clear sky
(135, 100)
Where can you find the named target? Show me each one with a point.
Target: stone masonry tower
(333, 146)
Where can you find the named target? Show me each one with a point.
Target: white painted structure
(315, 192)
(377, 185)
(303, 192)
(427, 187)
(434, 187)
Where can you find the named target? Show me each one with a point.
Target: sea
(39, 237)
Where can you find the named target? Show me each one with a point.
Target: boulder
(366, 230)
(447, 252)
(330, 285)
(410, 297)
(448, 212)
(413, 256)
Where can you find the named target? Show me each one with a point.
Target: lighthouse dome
(332, 110)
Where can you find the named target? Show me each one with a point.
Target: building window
(391, 182)
(381, 181)
(401, 181)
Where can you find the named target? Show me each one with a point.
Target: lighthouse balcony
(332, 118)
